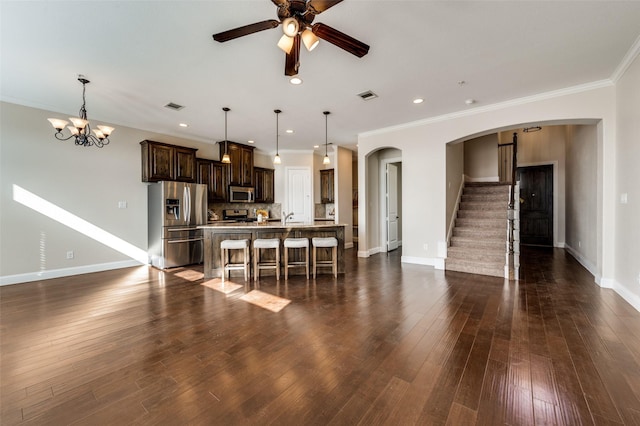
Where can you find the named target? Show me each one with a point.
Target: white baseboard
(582, 260)
(65, 272)
(348, 245)
(482, 179)
(631, 298)
(436, 262)
(367, 253)
(560, 244)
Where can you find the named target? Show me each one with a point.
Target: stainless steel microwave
(241, 194)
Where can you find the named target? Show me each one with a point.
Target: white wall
(86, 182)
(626, 279)
(581, 195)
(344, 192)
(481, 159)
(424, 162)
(455, 171)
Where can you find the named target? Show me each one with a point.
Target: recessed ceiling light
(418, 100)
(316, 146)
(250, 141)
(470, 101)
(295, 80)
(183, 125)
(289, 131)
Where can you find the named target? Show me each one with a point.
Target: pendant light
(225, 157)
(326, 159)
(276, 159)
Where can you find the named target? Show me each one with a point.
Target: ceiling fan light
(290, 27)
(310, 40)
(285, 43)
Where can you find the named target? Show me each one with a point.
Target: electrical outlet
(579, 243)
(122, 204)
(70, 254)
(425, 247)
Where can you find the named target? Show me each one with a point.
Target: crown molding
(493, 107)
(626, 62)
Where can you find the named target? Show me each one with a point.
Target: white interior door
(392, 207)
(298, 194)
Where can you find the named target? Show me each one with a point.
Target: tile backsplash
(274, 209)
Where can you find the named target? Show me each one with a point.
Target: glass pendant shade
(226, 159)
(290, 27)
(326, 160)
(310, 40)
(57, 123)
(286, 43)
(78, 122)
(276, 159)
(106, 130)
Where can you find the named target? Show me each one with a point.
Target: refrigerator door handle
(185, 200)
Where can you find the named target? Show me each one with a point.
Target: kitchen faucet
(286, 217)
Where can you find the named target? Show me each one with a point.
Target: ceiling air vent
(173, 106)
(367, 95)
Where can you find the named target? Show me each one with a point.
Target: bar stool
(226, 263)
(325, 242)
(258, 264)
(295, 243)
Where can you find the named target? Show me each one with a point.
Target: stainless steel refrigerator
(175, 211)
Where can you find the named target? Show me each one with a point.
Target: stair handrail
(514, 167)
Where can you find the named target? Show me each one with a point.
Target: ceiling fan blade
(340, 39)
(245, 30)
(292, 60)
(319, 6)
(280, 2)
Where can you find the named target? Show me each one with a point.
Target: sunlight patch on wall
(76, 223)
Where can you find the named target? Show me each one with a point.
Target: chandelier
(81, 129)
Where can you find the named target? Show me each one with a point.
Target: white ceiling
(140, 55)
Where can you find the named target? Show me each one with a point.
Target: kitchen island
(214, 233)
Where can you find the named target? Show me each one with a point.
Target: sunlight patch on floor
(266, 300)
(223, 287)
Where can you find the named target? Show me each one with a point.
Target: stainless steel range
(238, 215)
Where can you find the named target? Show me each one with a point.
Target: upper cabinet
(161, 161)
(326, 186)
(240, 171)
(264, 185)
(214, 175)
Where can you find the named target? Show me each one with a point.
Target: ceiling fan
(296, 17)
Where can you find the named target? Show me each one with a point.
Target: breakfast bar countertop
(267, 225)
(216, 232)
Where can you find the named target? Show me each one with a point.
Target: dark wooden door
(536, 205)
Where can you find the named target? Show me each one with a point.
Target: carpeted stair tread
(474, 267)
(482, 223)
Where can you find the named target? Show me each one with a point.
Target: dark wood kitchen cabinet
(240, 171)
(214, 175)
(326, 186)
(264, 185)
(161, 161)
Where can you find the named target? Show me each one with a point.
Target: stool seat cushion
(296, 242)
(234, 244)
(324, 242)
(266, 243)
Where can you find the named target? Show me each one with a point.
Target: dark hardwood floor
(387, 343)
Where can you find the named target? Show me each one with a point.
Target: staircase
(479, 239)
